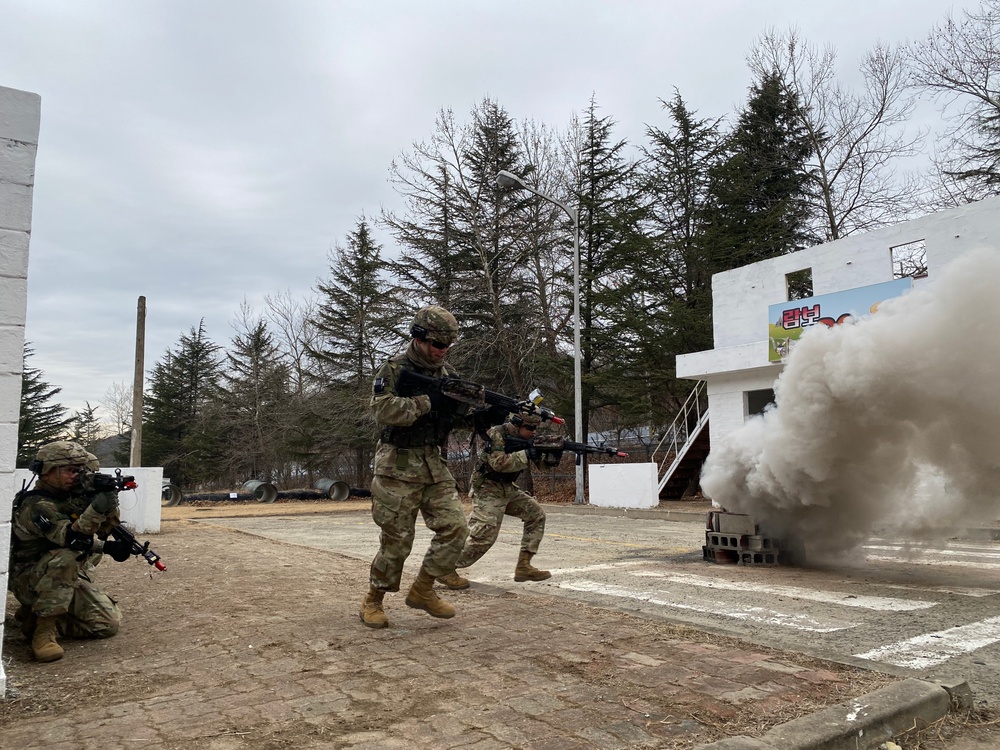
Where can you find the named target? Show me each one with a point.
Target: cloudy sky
(203, 152)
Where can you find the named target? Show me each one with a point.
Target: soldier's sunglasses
(529, 427)
(437, 344)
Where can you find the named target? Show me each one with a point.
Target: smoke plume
(892, 422)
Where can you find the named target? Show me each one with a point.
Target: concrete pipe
(263, 492)
(334, 488)
(171, 495)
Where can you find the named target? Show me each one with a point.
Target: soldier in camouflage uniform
(411, 472)
(55, 536)
(494, 495)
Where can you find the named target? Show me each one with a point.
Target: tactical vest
(432, 428)
(484, 468)
(26, 546)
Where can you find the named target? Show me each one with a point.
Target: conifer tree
(253, 399)
(760, 201)
(181, 432)
(41, 420)
(610, 209)
(358, 326)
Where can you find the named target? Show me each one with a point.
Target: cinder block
(8, 453)
(16, 203)
(724, 541)
(736, 523)
(759, 558)
(13, 298)
(716, 555)
(758, 543)
(17, 162)
(12, 351)
(20, 115)
(13, 254)
(4, 544)
(8, 487)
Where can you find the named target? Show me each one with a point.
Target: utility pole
(135, 455)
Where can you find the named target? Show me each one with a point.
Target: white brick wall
(20, 115)
(740, 297)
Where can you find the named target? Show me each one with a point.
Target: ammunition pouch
(505, 477)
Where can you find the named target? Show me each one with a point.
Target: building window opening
(909, 260)
(758, 401)
(799, 284)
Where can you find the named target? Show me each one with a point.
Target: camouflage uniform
(494, 495)
(412, 476)
(54, 551)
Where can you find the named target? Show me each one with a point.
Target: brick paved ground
(248, 643)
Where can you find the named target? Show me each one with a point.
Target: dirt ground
(250, 643)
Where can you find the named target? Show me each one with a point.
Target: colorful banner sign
(787, 320)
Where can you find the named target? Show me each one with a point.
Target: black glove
(119, 551)
(439, 402)
(78, 541)
(533, 453)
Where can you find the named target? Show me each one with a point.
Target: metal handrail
(685, 428)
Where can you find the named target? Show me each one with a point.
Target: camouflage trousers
(395, 504)
(60, 585)
(491, 502)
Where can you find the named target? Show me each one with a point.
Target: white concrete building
(738, 374)
(20, 114)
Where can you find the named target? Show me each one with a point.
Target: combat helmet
(436, 324)
(60, 453)
(520, 419)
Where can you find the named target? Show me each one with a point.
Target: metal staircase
(684, 445)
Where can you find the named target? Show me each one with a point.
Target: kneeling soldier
(54, 549)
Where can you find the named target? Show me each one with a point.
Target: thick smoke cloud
(889, 423)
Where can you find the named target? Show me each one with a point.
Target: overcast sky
(199, 153)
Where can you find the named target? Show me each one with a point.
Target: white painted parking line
(878, 603)
(931, 649)
(722, 609)
(957, 590)
(598, 566)
(936, 562)
(966, 550)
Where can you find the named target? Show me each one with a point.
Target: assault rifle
(410, 383)
(93, 482)
(141, 549)
(555, 445)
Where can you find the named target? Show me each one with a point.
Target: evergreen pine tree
(41, 420)
(253, 396)
(358, 326)
(180, 432)
(760, 205)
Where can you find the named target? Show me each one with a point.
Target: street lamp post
(508, 180)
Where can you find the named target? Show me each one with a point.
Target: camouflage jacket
(42, 518)
(412, 443)
(494, 463)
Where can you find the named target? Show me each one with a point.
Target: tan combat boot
(43, 643)
(372, 614)
(525, 571)
(454, 581)
(422, 596)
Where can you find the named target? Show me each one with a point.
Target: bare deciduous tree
(118, 404)
(958, 63)
(858, 137)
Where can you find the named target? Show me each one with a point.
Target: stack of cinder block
(735, 538)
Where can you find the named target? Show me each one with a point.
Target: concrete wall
(20, 115)
(740, 297)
